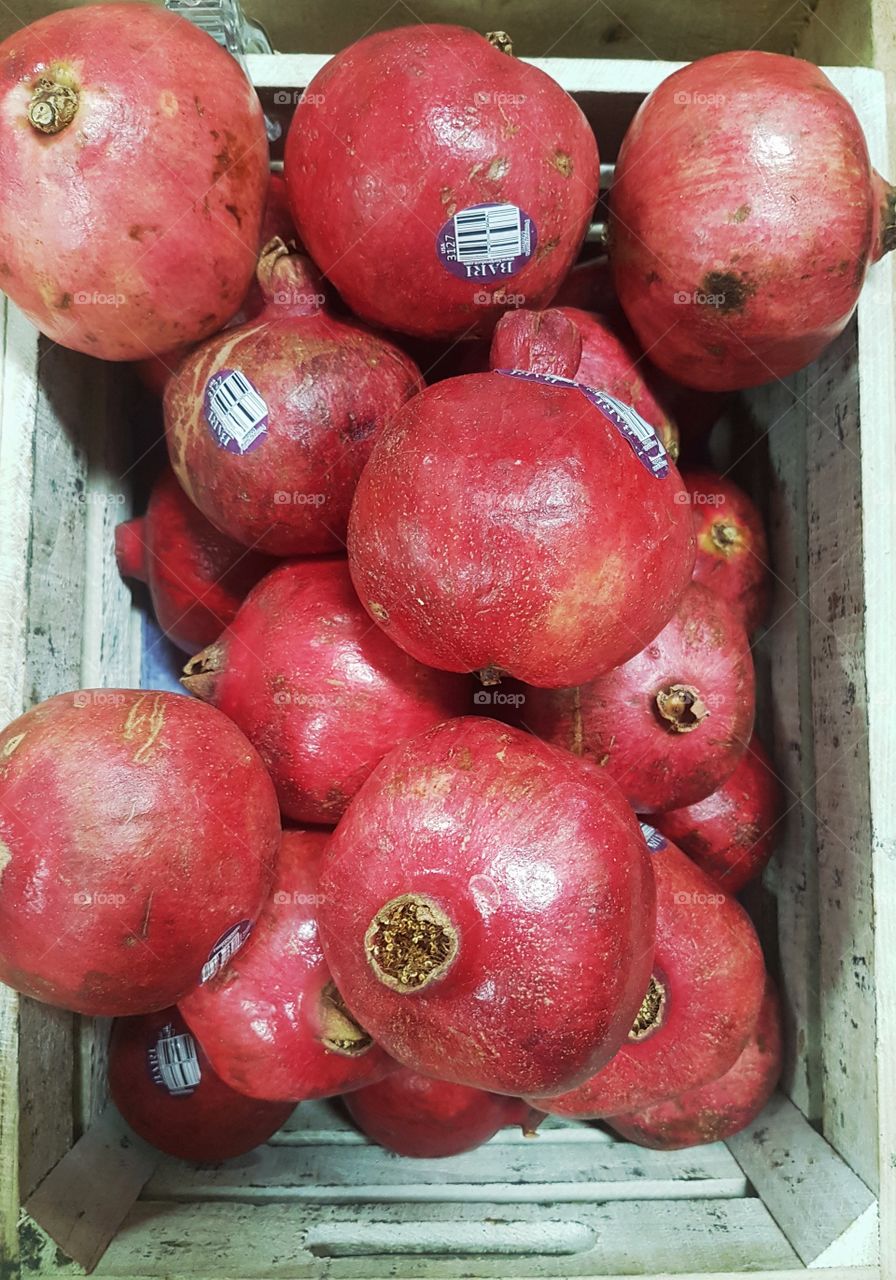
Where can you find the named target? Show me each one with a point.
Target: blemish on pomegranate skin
(741, 213)
(562, 163)
(498, 169)
(5, 857)
(725, 291)
(168, 103)
(65, 302)
(12, 745)
(378, 611)
(146, 723)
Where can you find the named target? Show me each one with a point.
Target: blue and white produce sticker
(655, 840)
(487, 241)
(235, 411)
(225, 949)
(174, 1062)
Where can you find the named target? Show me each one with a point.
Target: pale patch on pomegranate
(5, 857)
(145, 723)
(12, 745)
(168, 104)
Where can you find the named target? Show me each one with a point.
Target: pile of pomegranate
(466, 773)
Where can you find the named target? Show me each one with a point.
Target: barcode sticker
(646, 444)
(174, 1062)
(487, 240)
(655, 841)
(225, 949)
(235, 411)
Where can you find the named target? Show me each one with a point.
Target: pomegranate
(699, 1006)
(744, 215)
(272, 1023)
(197, 577)
(133, 165)
(321, 693)
(731, 834)
(589, 286)
(138, 832)
(517, 523)
(488, 910)
(732, 552)
(612, 361)
(161, 1082)
(269, 424)
(415, 1115)
(670, 724)
(436, 180)
(540, 341)
(715, 1111)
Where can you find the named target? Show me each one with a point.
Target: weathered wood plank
(534, 1170)
(226, 1241)
(812, 1194)
(85, 1198)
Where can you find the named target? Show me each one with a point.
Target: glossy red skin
(744, 177)
(485, 533)
(416, 124)
(717, 1110)
(197, 576)
(543, 872)
(158, 812)
(612, 361)
(321, 693)
(614, 722)
(212, 1123)
(260, 1019)
(539, 341)
(737, 570)
(709, 960)
(589, 286)
(329, 385)
(731, 834)
(415, 1115)
(133, 229)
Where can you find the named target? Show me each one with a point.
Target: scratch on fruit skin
(141, 722)
(12, 745)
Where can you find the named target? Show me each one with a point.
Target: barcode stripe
(490, 234)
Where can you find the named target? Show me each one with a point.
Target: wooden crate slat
(629, 1237)
(810, 1191)
(533, 1170)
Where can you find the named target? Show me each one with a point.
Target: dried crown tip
(52, 106)
(725, 535)
(500, 40)
(681, 707)
(410, 943)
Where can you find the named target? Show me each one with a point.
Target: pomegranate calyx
(289, 281)
(410, 943)
(681, 707)
(339, 1031)
(201, 672)
(725, 535)
(54, 104)
(491, 676)
(501, 41)
(650, 1015)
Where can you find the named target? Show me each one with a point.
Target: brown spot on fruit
(65, 302)
(725, 291)
(562, 163)
(741, 213)
(234, 213)
(498, 169)
(378, 611)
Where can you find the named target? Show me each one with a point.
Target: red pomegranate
(701, 1002)
(486, 535)
(743, 217)
(270, 424)
(731, 834)
(488, 910)
(321, 693)
(415, 1115)
(732, 552)
(197, 577)
(436, 180)
(540, 341)
(162, 1083)
(589, 286)
(670, 724)
(613, 362)
(722, 1108)
(133, 165)
(138, 832)
(272, 1022)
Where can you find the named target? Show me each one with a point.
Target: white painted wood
(276, 1241)
(814, 1197)
(532, 1171)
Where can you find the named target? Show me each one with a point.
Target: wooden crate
(811, 1184)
